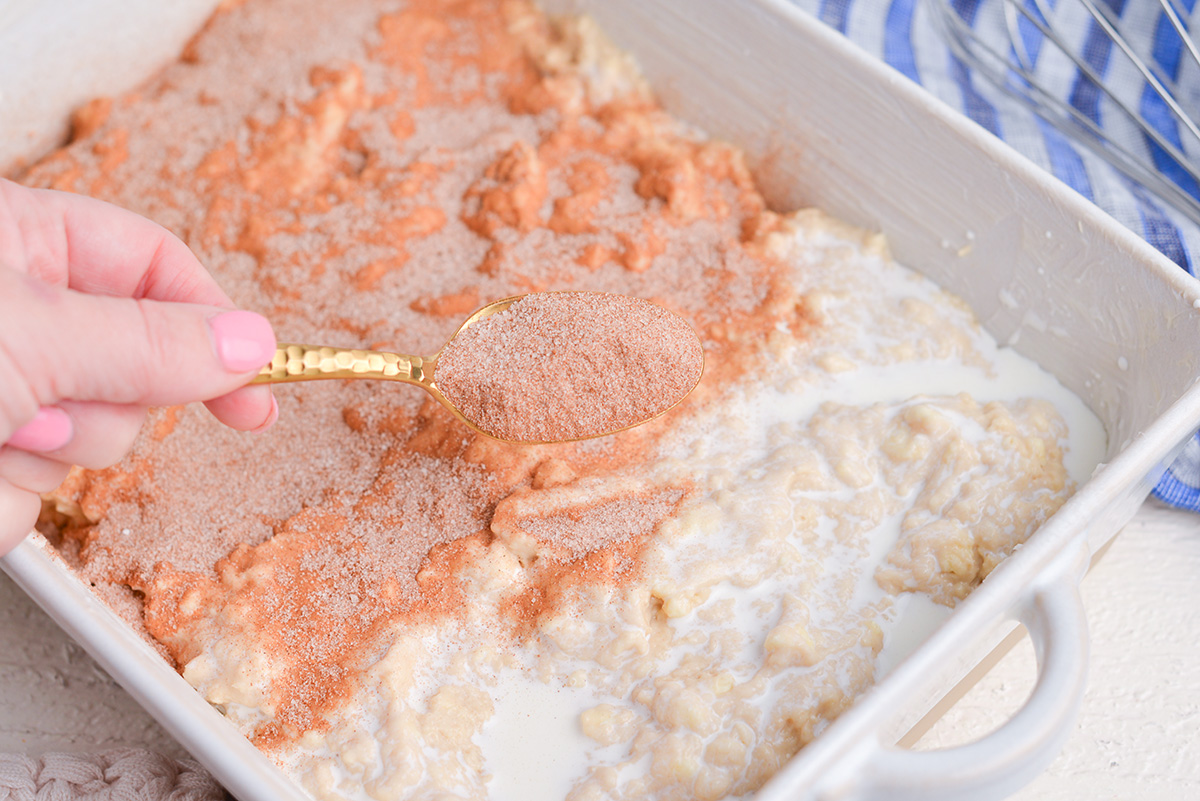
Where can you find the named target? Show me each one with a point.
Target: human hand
(103, 313)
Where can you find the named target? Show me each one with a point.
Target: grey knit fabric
(129, 774)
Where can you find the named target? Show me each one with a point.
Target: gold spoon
(294, 362)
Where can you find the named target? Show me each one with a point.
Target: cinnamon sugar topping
(370, 188)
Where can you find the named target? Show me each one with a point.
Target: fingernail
(50, 429)
(272, 416)
(243, 340)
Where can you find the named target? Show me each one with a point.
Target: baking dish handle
(1000, 763)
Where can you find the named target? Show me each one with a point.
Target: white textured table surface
(1137, 737)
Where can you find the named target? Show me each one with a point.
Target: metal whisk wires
(1121, 77)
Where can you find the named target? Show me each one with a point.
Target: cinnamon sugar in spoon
(545, 367)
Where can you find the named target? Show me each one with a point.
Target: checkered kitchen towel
(908, 35)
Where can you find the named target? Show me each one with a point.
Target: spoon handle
(312, 362)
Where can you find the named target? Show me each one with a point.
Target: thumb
(68, 345)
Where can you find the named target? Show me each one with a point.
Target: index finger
(96, 247)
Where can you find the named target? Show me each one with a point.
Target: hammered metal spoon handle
(314, 362)
(294, 362)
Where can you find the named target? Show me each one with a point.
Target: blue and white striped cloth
(908, 36)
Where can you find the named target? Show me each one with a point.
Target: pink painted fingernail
(50, 429)
(243, 340)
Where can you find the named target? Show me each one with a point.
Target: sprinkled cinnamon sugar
(365, 174)
(569, 365)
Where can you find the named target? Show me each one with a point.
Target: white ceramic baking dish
(1046, 271)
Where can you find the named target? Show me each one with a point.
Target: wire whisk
(1121, 77)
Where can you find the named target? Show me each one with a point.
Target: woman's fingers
(66, 345)
(103, 313)
(93, 247)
